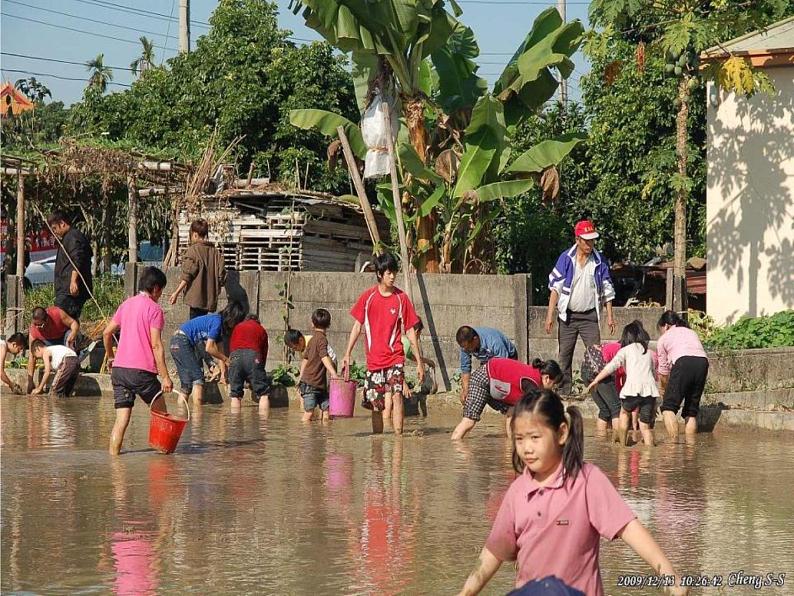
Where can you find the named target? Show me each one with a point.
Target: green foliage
(358, 373)
(285, 375)
(108, 290)
(244, 77)
(773, 331)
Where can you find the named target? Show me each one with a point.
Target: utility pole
(563, 83)
(184, 26)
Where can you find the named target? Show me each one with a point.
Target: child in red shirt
(247, 358)
(384, 312)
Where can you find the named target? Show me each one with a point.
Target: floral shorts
(378, 383)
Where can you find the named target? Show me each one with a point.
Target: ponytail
(573, 450)
(548, 404)
(671, 318)
(549, 368)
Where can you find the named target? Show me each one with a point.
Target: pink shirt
(137, 316)
(556, 529)
(675, 343)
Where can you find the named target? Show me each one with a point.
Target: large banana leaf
(527, 82)
(327, 123)
(503, 190)
(458, 83)
(489, 113)
(481, 147)
(545, 154)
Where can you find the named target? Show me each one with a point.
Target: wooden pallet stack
(277, 231)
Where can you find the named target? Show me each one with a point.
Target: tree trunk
(132, 223)
(682, 193)
(107, 237)
(425, 226)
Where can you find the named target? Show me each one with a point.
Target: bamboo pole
(369, 216)
(398, 207)
(20, 227)
(132, 224)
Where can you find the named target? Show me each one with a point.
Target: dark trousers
(202, 353)
(579, 324)
(71, 305)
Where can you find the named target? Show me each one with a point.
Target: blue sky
(78, 30)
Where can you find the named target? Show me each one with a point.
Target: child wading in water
(554, 514)
(140, 355)
(247, 357)
(61, 360)
(316, 361)
(639, 391)
(384, 311)
(211, 328)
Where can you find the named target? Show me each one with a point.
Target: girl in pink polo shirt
(554, 514)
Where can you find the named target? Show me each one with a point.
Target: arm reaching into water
(487, 566)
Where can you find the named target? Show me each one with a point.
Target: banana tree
(455, 163)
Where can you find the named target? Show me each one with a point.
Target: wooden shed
(275, 230)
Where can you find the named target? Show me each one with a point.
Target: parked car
(40, 272)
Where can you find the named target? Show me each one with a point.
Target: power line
(54, 76)
(138, 11)
(74, 16)
(136, 42)
(168, 31)
(514, 2)
(60, 61)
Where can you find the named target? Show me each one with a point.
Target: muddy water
(278, 507)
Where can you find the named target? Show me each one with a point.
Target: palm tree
(146, 60)
(101, 75)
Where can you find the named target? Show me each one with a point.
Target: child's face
(38, 352)
(299, 345)
(388, 278)
(13, 348)
(548, 382)
(538, 445)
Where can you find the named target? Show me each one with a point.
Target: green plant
(358, 373)
(285, 375)
(774, 331)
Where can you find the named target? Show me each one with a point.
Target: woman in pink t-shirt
(554, 514)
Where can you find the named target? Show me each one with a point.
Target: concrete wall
(750, 200)
(444, 302)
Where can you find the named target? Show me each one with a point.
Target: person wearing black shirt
(72, 285)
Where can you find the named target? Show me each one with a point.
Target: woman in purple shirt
(683, 368)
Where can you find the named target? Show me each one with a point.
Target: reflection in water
(274, 506)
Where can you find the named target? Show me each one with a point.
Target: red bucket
(165, 429)
(342, 394)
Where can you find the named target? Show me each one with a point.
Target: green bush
(774, 331)
(108, 290)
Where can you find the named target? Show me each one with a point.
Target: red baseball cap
(585, 229)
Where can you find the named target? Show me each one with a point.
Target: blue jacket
(561, 278)
(493, 344)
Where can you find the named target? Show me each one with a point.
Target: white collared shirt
(584, 295)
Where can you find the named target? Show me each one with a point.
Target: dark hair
(57, 216)
(36, 345)
(419, 325)
(292, 337)
(465, 334)
(200, 227)
(235, 312)
(634, 333)
(20, 339)
(549, 368)
(385, 262)
(152, 278)
(672, 318)
(39, 313)
(321, 318)
(546, 403)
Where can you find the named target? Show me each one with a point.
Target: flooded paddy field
(276, 506)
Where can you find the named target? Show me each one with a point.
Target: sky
(52, 39)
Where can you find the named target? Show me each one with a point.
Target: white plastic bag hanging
(376, 137)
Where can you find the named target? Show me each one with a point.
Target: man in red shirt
(54, 327)
(384, 312)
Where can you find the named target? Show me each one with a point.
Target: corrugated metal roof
(777, 38)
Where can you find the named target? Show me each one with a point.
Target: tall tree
(35, 91)
(101, 75)
(146, 60)
(425, 55)
(679, 30)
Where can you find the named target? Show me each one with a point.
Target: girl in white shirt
(639, 392)
(61, 360)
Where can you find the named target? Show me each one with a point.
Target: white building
(750, 190)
